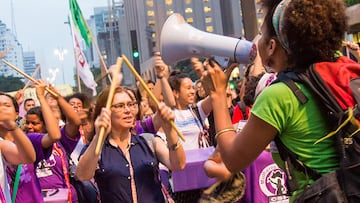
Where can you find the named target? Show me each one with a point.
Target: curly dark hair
(314, 29)
(84, 98)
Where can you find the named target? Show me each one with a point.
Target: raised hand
(40, 86)
(161, 69)
(19, 96)
(197, 66)
(215, 79)
(165, 114)
(8, 124)
(103, 120)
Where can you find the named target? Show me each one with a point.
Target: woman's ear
(176, 94)
(272, 47)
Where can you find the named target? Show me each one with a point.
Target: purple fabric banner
(264, 180)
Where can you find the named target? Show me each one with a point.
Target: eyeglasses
(121, 106)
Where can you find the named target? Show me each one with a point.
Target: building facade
(136, 27)
(30, 65)
(13, 49)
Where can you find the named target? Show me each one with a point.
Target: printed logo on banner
(272, 181)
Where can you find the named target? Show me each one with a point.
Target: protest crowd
(179, 140)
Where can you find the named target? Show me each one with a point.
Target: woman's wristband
(224, 131)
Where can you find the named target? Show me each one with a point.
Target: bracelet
(174, 147)
(159, 77)
(223, 131)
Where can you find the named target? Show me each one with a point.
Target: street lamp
(60, 52)
(53, 73)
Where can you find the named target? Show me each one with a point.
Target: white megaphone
(180, 40)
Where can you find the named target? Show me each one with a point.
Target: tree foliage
(10, 83)
(185, 67)
(352, 2)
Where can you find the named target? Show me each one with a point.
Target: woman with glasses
(127, 168)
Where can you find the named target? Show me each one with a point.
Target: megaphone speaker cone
(179, 40)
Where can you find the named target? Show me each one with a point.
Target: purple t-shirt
(50, 171)
(29, 187)
(144, 126)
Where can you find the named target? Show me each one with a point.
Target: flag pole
(102, 62)
(74, 51)
(79, 20)
(77, 73)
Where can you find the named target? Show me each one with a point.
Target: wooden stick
(143, 84)
(28, 77)
(33, 75)
(102, 77)
(109, 101)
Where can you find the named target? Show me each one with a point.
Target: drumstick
(28, 77)
(143, 84)
(109, 101)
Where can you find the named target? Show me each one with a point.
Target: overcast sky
(40, 27)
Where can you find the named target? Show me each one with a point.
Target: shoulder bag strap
(65, 170)
(16, 183)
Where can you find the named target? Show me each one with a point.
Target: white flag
(81, 63)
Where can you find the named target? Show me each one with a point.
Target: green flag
(79, 21)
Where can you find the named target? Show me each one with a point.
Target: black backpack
(336, 85)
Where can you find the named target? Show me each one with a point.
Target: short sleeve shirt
(29, 186)
(50, 171)
(190, 126)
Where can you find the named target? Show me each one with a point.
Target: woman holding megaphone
(295, 34)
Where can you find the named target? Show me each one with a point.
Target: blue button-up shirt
(113, 175)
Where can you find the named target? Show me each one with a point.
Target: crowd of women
(55, 142)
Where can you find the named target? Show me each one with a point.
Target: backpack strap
(16, 183)
(194, 109)
(288, 78)
(290, 158)
(287, 154)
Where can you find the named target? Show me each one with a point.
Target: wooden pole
(33, 75)
(28, 77)
(77, 71)
(110, 98)
(143, 84)
(102, 62)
